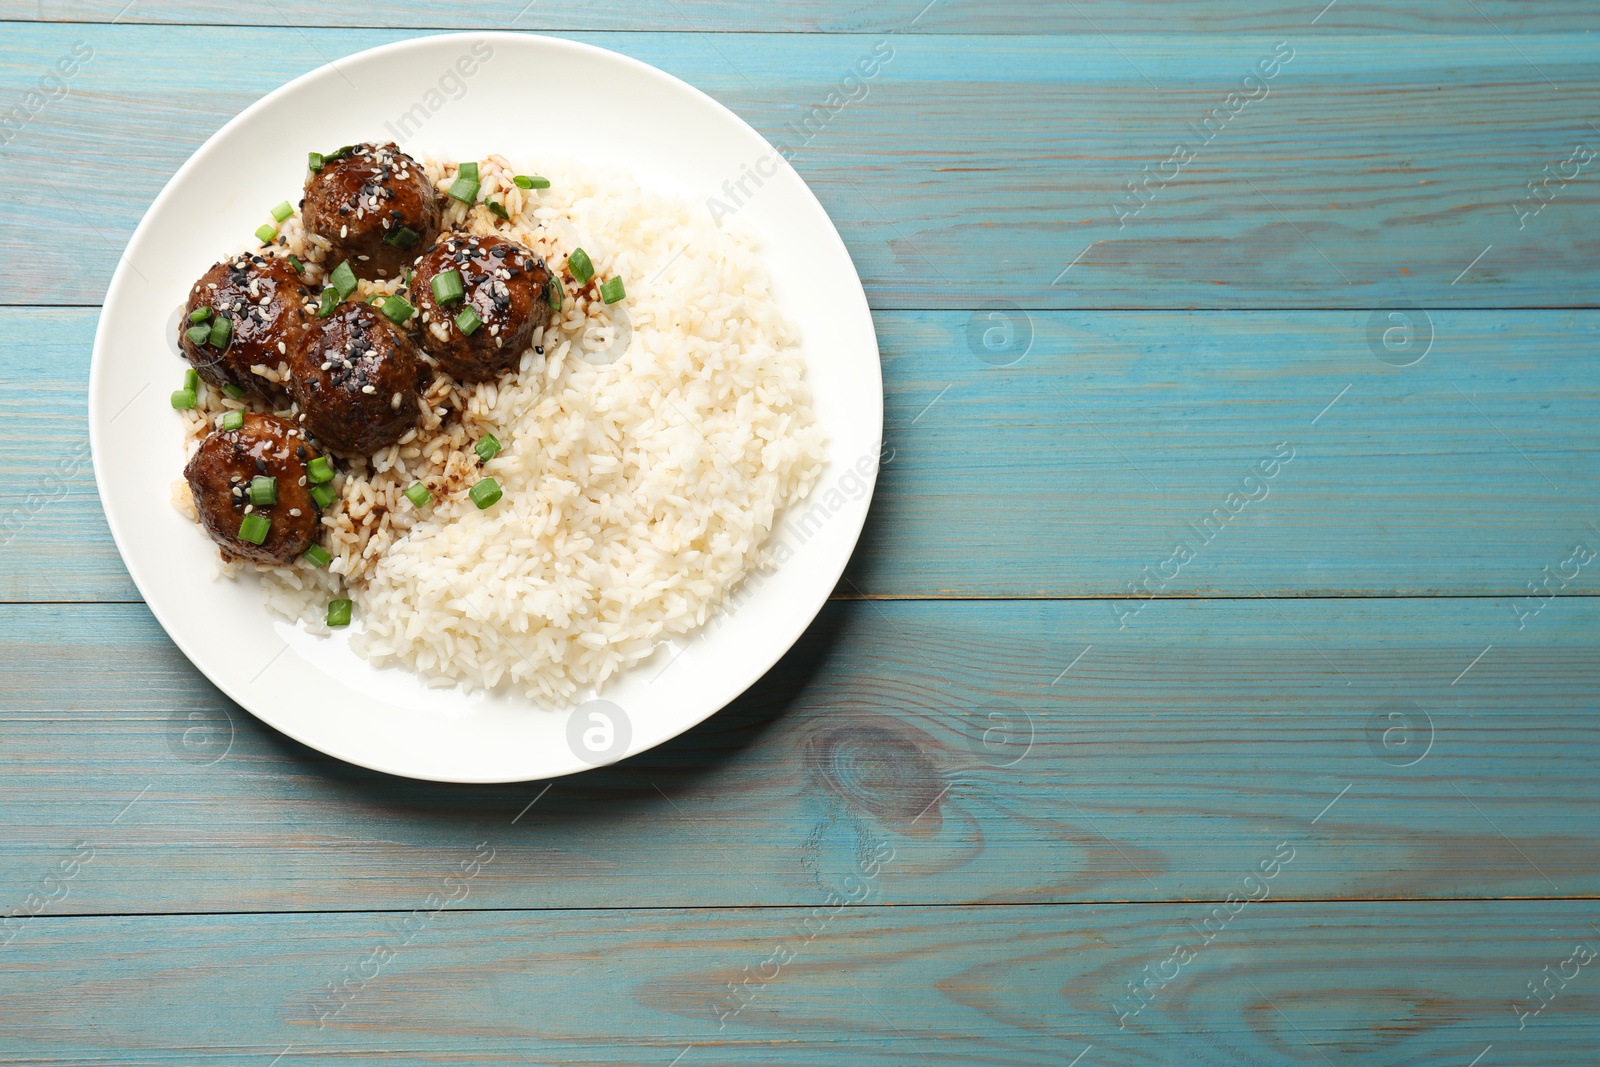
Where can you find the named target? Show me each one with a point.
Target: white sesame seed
(283, 349)
(344, 231)
(369, 389)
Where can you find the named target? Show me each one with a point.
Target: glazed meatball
(264, 302)
(375, 206)
(504, 285)
(357, 381)
(220, 474)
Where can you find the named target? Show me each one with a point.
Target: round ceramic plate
(464, 96)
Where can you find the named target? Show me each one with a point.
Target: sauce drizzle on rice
(647, 450)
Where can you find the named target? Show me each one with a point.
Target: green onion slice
(330, 300)
(283, 211)
(191, 380)
(418, 494)
(263, 490)
(612, 291)
(448, 287)
(266, 234)
(553, 292)
(468, 321)
(232, 392)
(397, 308)
(580, 266)
(254, 528)
(531, 181)
(343, 279)
(499, 209)
(221, 331)
(314, 160)
(402, 237)
(183, 399)
(200, 315)
(339, 612)
(464, 190)
(317, 556)
(324, 496)
(198, 335)
(468, 170)
(233, 420)
(299, 267)
(487, 447)
(485, 493)
(319, 470)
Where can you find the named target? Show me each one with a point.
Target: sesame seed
(369, 389)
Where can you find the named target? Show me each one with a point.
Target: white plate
(669, 134)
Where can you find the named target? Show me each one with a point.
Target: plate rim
(803, 619)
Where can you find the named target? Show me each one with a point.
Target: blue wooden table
(1215, 682)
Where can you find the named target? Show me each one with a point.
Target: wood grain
(1075, 471)
(1399, 983)
(1211, 18)
(979, 167)
(1001, 759)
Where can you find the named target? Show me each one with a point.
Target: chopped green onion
(487, 448)
(314, 160)
(283, 211)
(266, 234)
(221, 331)
(263, 490)
(330, 300)
(319, 470)
(468, 170)
(338, 154)
(468, 321)
(409, 274)
(183, 399)
(232, 392)
(191, 380)
(339, 612)
(233, 420)
(447, 287)
(464, 190)
(578, 263)
(343, 279)
(553, 292)
(299, 267)
(317, 556)
(418, 494)
(485, 493)
(198, 335)
(254, 528)
(397, 308)
(324, 496)
(497, 208)
(612, 291)
(200, 315)
(403, 237)
(531, 181)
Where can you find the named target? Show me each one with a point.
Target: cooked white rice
(645, 458)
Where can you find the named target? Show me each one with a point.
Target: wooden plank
(983, 167)
(1209, 17)
(1078, 470)
(1022, 751)
(1278, 983)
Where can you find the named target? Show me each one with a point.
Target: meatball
(357, 381)
(220, 474)
(374, 204)
(505, 286)
(264, 302)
